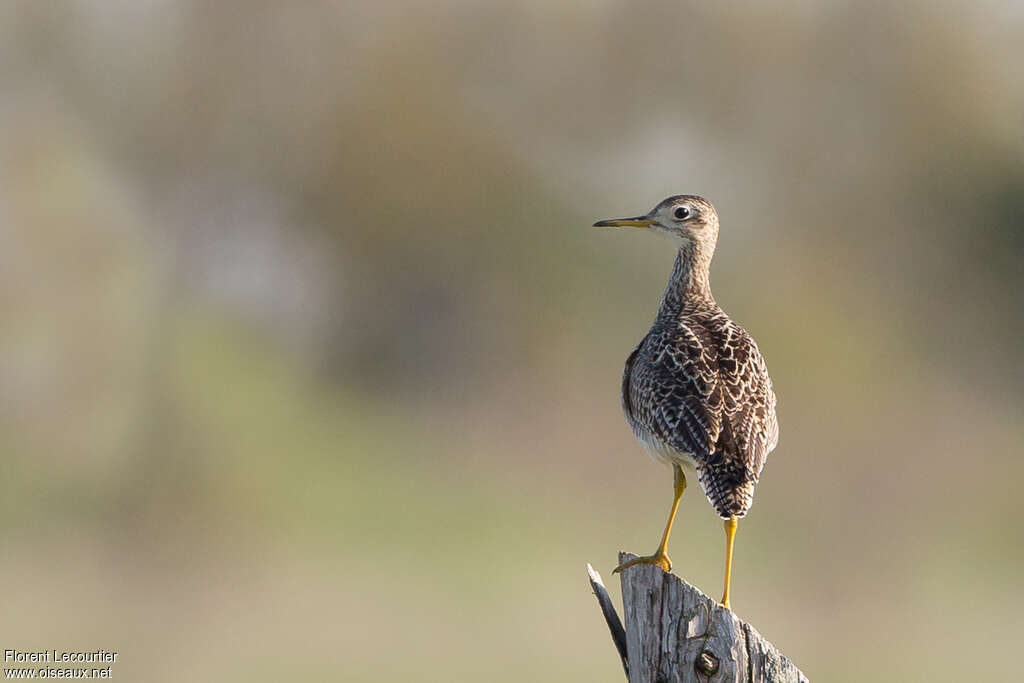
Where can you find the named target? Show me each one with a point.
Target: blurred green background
(310, 361)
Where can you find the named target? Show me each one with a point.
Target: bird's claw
(660, 560)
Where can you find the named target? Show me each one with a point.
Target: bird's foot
(659, 559)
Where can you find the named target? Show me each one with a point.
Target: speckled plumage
(696, 390)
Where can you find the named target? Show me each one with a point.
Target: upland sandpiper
(695, 390)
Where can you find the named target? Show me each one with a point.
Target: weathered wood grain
(676, 634)
(611, 617)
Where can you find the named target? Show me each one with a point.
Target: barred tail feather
(730, 490)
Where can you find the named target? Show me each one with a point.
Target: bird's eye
(681, 213)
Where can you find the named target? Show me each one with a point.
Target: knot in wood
(707, 663)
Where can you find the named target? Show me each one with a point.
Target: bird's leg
(660, 557)
(730, 536)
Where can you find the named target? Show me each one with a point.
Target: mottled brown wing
(748, 399)
(627, 374)
(707, 393)
(667, 389)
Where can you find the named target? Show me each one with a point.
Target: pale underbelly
(662, 452)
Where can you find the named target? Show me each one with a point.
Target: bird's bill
(635, 222)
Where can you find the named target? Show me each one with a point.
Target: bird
(696, 390)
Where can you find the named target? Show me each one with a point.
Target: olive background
(310, 360)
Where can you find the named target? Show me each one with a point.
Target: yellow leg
(660, 557)
(730, 536)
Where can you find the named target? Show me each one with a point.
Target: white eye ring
(681, 213)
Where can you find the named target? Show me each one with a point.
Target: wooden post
(676, 634)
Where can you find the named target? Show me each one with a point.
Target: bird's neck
(689, 286)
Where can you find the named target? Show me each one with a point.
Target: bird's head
(690, 219)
